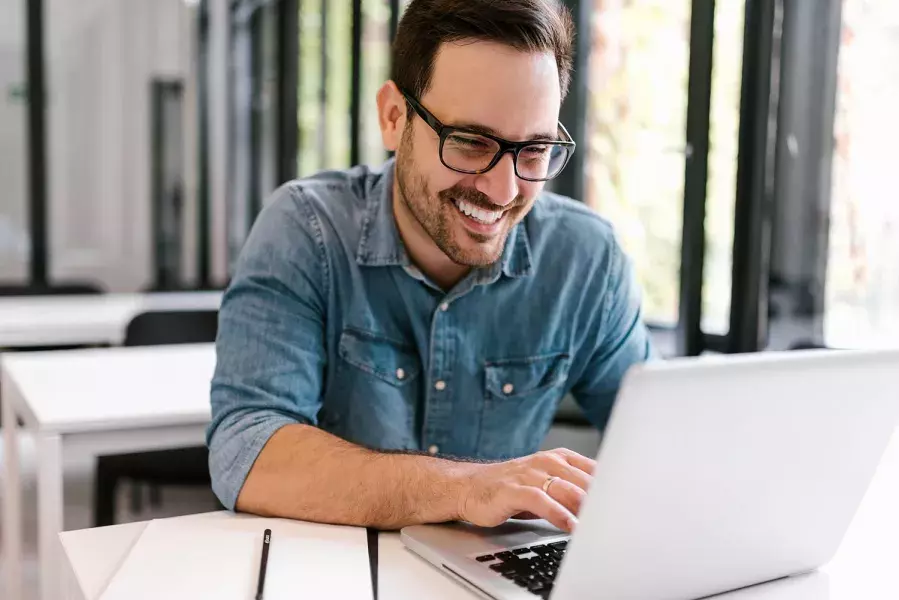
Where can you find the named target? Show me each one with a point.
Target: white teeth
(484, 216)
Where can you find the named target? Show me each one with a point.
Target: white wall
(14, 243)
(101, 56)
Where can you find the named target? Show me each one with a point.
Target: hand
(497, 492)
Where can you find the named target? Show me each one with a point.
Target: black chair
(184, 466)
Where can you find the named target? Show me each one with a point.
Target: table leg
(12, 502)
(50, 513)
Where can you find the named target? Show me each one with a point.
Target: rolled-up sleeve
(620, 341)
(270, 348)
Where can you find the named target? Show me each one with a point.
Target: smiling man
(395, 342)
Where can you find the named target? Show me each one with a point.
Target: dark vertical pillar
(37, 142)
(755, 175)
(690, 341)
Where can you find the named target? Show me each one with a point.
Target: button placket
(436, 430)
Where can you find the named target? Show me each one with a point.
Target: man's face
(492, 88)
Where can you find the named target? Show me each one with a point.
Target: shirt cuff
(233, 450)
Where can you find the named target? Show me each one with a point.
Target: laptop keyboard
(533, 568)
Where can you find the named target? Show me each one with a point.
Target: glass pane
(100, 59)
(310, 108)
(241, 190)
(14, 240)
(265, 96)
(338, 50)
(637, 122)
(375, 71)
(862, 291)
(723, 150)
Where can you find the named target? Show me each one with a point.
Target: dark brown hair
(526, 25)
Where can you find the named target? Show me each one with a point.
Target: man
(387, 329)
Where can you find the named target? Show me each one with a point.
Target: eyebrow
(478, 128)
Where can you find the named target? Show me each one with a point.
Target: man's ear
(391, 115)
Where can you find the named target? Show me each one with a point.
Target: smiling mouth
(484, 217)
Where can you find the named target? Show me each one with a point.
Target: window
(325, 79)
(637, 123)
(639, 75)
(375, 71)
(862, 289)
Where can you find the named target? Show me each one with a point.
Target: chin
(476, 254)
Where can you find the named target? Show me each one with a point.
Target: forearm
(308, 474)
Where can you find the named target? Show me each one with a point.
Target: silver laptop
(713, 474)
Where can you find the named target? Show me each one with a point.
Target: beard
(441, 220)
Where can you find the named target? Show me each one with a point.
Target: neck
(423, 252)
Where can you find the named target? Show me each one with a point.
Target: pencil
(266, 542)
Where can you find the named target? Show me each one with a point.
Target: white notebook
(217, 555)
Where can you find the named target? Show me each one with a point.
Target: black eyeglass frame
(443, 131)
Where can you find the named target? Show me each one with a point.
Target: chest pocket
(377, 384)
(520, 399)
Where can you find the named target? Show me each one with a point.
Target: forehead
(512, 92)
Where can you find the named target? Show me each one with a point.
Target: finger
(557, 467)
(530, 499)
(587, 465)
(567, 494)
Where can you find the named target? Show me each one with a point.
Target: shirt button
(440, 386)
(433, 450)
(508, 389)
(444, 307)
(400, 374)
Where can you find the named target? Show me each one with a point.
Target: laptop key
(503, 568)
(523, 564)
(558, 545)
(485, 558)
(504, 555)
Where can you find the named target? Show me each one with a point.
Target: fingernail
(572, 523)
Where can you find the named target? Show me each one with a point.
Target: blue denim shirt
(326, 322)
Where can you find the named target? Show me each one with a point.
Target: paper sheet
(217, 556)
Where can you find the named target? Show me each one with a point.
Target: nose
(500, 183)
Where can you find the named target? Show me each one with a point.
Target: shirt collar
(380, 244)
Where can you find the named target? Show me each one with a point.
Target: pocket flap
(519, 376)
(386, 359)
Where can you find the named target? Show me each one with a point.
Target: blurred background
(744, 150)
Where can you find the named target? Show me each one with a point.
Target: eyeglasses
(472, 152)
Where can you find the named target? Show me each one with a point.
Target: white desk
(866, 566)
(92, 402)
(27, 321)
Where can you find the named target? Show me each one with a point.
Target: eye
(473, 143)
(535, 151)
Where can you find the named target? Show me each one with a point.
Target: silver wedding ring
(547, 483)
